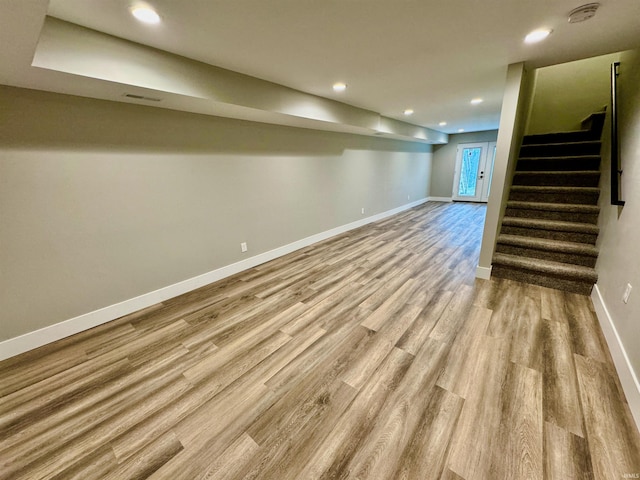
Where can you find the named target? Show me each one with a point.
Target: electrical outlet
(362, 211)
(627, 293)
(243, 247)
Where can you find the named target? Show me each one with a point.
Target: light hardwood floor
(372, 355)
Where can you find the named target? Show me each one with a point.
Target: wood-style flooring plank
(477, 435)
(97, 464)
(614, 444)
(426, 453)
(230, 463)
(32, 404)
(379, 456)
(454, 316)
(353, 427)
(561, 397)
(520, 438)
(381, 343)
(148, 460)
(390, 306)
(29, 373)
(457, 374)
(433, 304)
(172, 414)
(566, 455)
(286, 453)
(527, 339)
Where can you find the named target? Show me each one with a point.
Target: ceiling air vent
(140, 97)
(585, 12)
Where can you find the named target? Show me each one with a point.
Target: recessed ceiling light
(476, 101)
(460, 130)
(442, 124)
(339, 87)
(408, 111)
(537, 35)
(145, 14)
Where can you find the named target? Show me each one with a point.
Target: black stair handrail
(616, 170)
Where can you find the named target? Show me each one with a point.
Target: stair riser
(584, 260)
(565, 137)
(557, 180)
(577, 237)
(559, 150)
(551, 215)
(558, 164)
(540, 197)
(573, 286)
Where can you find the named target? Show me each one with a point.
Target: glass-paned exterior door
(474, 163)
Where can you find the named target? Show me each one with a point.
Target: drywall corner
(512, 119)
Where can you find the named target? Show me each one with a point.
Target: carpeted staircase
(550, 227)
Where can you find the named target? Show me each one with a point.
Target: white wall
(619, 240)
(101, 201)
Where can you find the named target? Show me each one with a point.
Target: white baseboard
(628, 377)
(483, 272)
(441, 199)
(29, 341)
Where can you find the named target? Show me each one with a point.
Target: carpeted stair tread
(555, 225)
(584, 148)
(554, 194)
(560, 137)
(553, 189)
(565, 157)
(549, 245)
(557, 207)
(559, 178)
(590, 142)
(566, 163)
(557, 269)
(586, 173)
(559, 173)
(565, 212)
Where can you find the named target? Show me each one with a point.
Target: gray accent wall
(102, 201)
(444, 160)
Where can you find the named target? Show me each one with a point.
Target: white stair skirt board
(29, 341)
(483, 272)
(628, 377)
(441, 199)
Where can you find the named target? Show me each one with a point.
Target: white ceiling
(431, 56)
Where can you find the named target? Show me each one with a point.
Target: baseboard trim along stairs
(550, 227)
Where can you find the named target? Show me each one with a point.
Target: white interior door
(474, 167)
